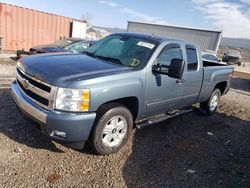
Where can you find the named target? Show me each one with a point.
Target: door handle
(180, 81)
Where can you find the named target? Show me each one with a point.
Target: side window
(169, 53)
(192, 60)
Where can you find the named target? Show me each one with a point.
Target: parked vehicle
(57, 46)
(123, 80)
(232, 57)
(211, 57)
(79, 47)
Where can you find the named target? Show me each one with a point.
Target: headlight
(72, 99)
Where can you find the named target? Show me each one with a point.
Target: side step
(160, 118)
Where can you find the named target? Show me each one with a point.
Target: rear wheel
(239, 63)
(111, 130)
(210, 106)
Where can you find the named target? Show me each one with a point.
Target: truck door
(162, 92)
(192, 76)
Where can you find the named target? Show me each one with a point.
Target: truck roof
(153, 38)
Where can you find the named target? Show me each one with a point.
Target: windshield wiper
(110, 59)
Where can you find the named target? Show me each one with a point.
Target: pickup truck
(123, 81)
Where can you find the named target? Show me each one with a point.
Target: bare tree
(87, 17)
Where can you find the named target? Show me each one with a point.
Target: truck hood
(63, 68)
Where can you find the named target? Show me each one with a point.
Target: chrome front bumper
(73, 127)
(25, 106)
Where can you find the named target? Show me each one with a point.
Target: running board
(160, 118)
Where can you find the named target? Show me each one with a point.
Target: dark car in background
(232, 57)
(79, 47)
(57, 46)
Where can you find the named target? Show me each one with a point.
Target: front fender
(110, 91)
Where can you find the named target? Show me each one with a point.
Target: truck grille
(37, 84)
(38, 91)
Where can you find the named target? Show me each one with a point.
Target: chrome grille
(38, 91)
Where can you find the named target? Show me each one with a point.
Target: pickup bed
(123, 80)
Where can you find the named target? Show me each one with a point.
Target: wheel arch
(132, 103)
(221, 86)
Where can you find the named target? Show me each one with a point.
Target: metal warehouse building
(22, 28)
(207, 39)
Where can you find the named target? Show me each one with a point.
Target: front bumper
(64, 126)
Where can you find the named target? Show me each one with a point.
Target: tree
(87, 17)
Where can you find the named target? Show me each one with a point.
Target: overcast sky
(231, 16)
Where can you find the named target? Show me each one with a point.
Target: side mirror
(176, 68)
(157, 68)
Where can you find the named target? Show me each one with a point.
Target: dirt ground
(7, 66)
(191, 150)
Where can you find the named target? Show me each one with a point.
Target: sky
(230, 16)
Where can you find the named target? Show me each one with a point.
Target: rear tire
(112, 128)
(239, 63)
(210, 106)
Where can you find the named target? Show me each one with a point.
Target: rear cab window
(192, 58)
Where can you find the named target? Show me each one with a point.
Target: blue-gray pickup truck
(123, 81)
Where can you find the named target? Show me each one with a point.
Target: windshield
(62, 43)
(125, 50)
(78, 47)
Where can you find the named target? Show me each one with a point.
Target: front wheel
(210, 106)
(111, 130)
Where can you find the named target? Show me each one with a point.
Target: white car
(210, 56)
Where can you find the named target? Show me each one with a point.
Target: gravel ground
(7, 65)
(191, 150)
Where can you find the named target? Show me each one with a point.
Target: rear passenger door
(193, 76)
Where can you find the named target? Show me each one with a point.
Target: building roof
(179, 27)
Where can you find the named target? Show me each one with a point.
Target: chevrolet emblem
(25, 84)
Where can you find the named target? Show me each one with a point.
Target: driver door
(162, 92)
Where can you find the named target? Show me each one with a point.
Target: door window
(192, 60)
(169, 53)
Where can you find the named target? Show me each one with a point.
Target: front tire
(111, 130)
(210, 106)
